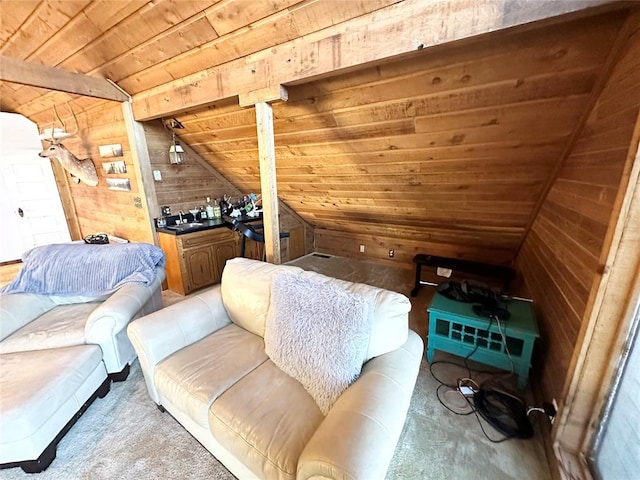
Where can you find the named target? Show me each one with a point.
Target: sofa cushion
(246, 287)
(265, 420)
(61, 326)
(246, 291)
(193, 377)
(317, 333)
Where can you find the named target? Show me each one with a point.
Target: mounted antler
(83, 169)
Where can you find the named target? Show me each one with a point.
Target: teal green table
(455, 328)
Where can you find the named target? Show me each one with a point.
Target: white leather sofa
(204, 361)
(57, 354)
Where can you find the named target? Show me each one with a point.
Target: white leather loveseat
(59, 352)
(204, 361)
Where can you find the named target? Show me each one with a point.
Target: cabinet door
(199, 264)
(221, 253)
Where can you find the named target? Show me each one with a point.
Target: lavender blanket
(84, 269)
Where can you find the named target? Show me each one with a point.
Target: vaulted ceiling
(454, 143)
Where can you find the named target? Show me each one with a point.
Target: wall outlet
(391, 253)
(361, 248)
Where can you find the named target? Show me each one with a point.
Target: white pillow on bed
(318, 333)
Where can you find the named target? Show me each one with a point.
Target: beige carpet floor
(124, 436)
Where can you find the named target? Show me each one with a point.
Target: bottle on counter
(210, 212)
(217, 211)
(224, 206)
(203, 213)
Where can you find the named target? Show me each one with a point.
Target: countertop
(208, 224)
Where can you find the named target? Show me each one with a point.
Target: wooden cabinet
(195, 260)
(222, 252)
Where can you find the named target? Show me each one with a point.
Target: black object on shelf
(249, 231)
(507, 274)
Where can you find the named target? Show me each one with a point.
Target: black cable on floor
(469, 370)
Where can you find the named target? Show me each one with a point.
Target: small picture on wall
(114, 150)
(122, 184)
(118, 167)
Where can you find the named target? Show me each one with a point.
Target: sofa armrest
(120, 308)
(106, 325)
(115, 312)
(358, 437)
(158, 335)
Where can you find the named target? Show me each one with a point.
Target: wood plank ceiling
(450, 145)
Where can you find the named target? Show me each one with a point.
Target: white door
(30, 206)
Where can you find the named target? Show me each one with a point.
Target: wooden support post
(268, 182)
(142, 165)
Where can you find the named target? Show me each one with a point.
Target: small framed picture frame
(107, 151)
(121, 184)
(118, 167)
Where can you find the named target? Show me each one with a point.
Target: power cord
(465, 388)
(495, 403)
(504, 342)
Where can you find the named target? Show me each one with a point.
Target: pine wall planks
(187, 185)
(561, 255)
(183, 186)
(98, 209)
(141, 44)
(445, 152)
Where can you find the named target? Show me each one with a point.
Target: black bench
(476, 268)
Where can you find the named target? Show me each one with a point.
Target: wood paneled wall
(141, 44)
(187, 185)
(378, 245)
(98, 209)
(561, 255)
(183, 186)
(446, 151)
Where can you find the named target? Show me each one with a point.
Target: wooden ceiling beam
(36, 75)
(383, 35)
